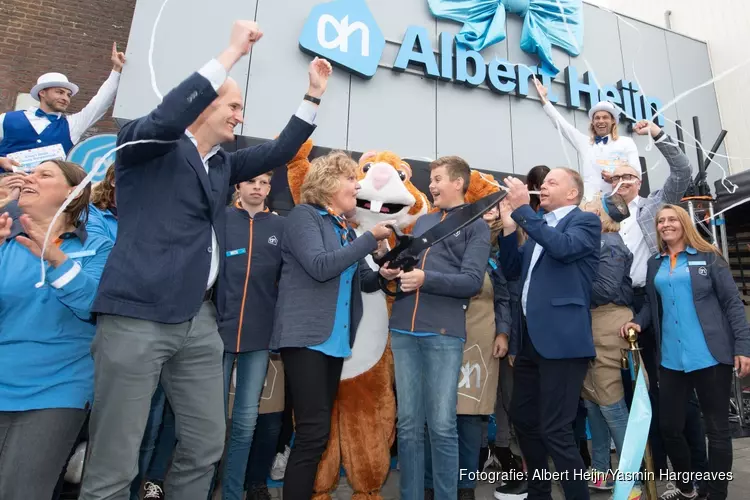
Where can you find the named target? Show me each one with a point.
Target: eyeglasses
(624, 177)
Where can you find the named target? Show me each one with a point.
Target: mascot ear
(406, 168)
(481, 185)
(367, 156)
(297, 169)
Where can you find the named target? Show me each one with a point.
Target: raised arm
(184, 104)
(100, 103)
(580, 238)
(577, 139)
(680, 171)
(302, 235)
(253, 161)
(613, 267)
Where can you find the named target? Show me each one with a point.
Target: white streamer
(151, 52)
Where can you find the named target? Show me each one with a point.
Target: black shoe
(466, 494)
(153, 490)
(512, 490)
(429, 494)
(258, 492)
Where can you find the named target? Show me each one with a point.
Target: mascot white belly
(372, 332)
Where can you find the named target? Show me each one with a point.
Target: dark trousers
(543, 410)
(263, 450)
(287, 423)
(34, 448)
(313, 381)
(713, 386)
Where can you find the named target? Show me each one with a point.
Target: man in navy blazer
(557, 266)
(156, 319)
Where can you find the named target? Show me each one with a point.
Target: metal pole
(722, 221)
(713, 224)
(691, 211)
(635, 351)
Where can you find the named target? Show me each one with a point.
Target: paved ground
(739, 487)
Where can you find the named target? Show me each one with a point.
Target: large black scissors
(405, 255)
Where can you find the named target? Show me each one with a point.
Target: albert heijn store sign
(346, 33)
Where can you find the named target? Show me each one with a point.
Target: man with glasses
(639, 233)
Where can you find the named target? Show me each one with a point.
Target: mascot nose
(380, 176)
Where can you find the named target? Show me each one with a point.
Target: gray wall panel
(279, 78)
(393, 111)
(188, 35)
(394, 16)
(474, 125)
(690, 68)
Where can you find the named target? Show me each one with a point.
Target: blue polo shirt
(337, 345)
(683, 343)
(102, 222)
(46, 333)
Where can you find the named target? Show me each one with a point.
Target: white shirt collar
(208, 156)
(558, 214)
(32, 110)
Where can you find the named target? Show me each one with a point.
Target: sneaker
(429, 494)
(279, 464)
(466, 494)
(152, 490)
(601, 481)
(258, 492)
(512, 490)
(674, 493)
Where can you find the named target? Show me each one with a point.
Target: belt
(641, 290)
(208, 295)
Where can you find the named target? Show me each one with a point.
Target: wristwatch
(312, 99)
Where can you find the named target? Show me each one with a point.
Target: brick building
(73, 37)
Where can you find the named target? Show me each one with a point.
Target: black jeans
(263, 450)
(314, 382)
(713, 386)
(543, 410)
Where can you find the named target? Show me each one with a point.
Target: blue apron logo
(87, 153)
(345, 33)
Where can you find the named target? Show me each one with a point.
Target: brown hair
(596, 206)
(613, 131)
(577, 181)
(689, 233)
(236, 194)
(103, 194)
(456, 168)
(324, 177)
(78, 210)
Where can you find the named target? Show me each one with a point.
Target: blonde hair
(613, 132)
(103, 193)
(689, 234)
(596, 206)
(324, 177)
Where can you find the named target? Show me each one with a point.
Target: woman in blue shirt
(103, 208)
(319, 306)
(701, 330)
(47, 380)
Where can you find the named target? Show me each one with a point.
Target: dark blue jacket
(717, 302)
(248, 283)
(612, 284)
(167, 204)
(502, 299)
(454, 272)
(313, 261)
(557, 308)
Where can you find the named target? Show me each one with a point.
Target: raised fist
(244, 35)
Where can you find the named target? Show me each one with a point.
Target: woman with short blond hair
(319, 306)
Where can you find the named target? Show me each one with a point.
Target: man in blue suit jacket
(156, 319)
(557, 266)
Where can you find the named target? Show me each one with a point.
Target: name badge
(239, 251)
(83, 253)
(697, 263)
(493, 265)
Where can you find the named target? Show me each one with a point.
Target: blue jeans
(251, 374)
(263, 451)
(427, 371)
(157, 446)
(469, 443)
(606, 421)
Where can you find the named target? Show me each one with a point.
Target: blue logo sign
(345, 33)
(88, 152)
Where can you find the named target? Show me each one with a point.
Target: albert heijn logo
(345, 33)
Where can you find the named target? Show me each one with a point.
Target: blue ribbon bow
(599, 139)
(50, 116)
(543, 24)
